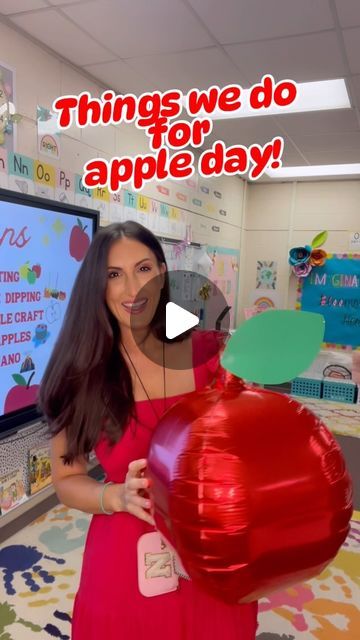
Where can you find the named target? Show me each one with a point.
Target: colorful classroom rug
(41, 567)
(340, 417)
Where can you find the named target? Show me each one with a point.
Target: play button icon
(175, 309)
(178, 320)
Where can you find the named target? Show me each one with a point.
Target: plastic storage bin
(310, 387)
(339, 390)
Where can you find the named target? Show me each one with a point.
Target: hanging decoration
(204, 292)
(213, 256)
(8, 117)
(179, 248)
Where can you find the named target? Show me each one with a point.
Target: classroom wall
(278, 217)
(262, 220)
(41, 77)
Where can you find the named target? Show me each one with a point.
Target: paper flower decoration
(299, 255)
(318, 257)
(303, 259)
(302, 270)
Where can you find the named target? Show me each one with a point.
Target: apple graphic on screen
(22, 395)
(24, 269)
(79, 241)
(31, 277)
(36, 268)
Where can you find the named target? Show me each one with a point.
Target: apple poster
(40, 255)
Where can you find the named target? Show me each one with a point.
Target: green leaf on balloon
(274, 346)
(319, 240)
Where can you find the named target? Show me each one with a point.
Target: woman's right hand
(134, 486)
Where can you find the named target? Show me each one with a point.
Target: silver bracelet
(107, 513)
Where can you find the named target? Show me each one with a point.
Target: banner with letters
(334, 291)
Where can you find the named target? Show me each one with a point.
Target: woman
(106, 386)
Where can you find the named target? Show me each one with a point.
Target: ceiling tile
(189, 69)
(352, 45)
(348, 12)
(62, 36)
(301, 58)
(291, 157)
(140, 27)
(15, 6)
(328, 142)
(354, 82)
(340, 120)
(245, 131)
(119, 76)
(246, 20)
(340, 156)
(60, 3)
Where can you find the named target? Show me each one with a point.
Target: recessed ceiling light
(311, 96)
(314, 170)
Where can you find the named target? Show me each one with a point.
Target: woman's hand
(131, 496)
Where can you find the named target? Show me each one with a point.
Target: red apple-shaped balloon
(250, 488)
(22, 395)
(79, 241)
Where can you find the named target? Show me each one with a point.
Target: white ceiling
(143, 45)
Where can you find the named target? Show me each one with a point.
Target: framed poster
(266, 274)
(334, 291)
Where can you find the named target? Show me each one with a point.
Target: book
(39, 468)
(12, 490)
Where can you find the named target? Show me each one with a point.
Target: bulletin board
(333, 290)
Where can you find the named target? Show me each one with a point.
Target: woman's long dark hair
(87, 387)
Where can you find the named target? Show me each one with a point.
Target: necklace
(142, 384)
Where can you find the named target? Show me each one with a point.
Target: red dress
(108, 604)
